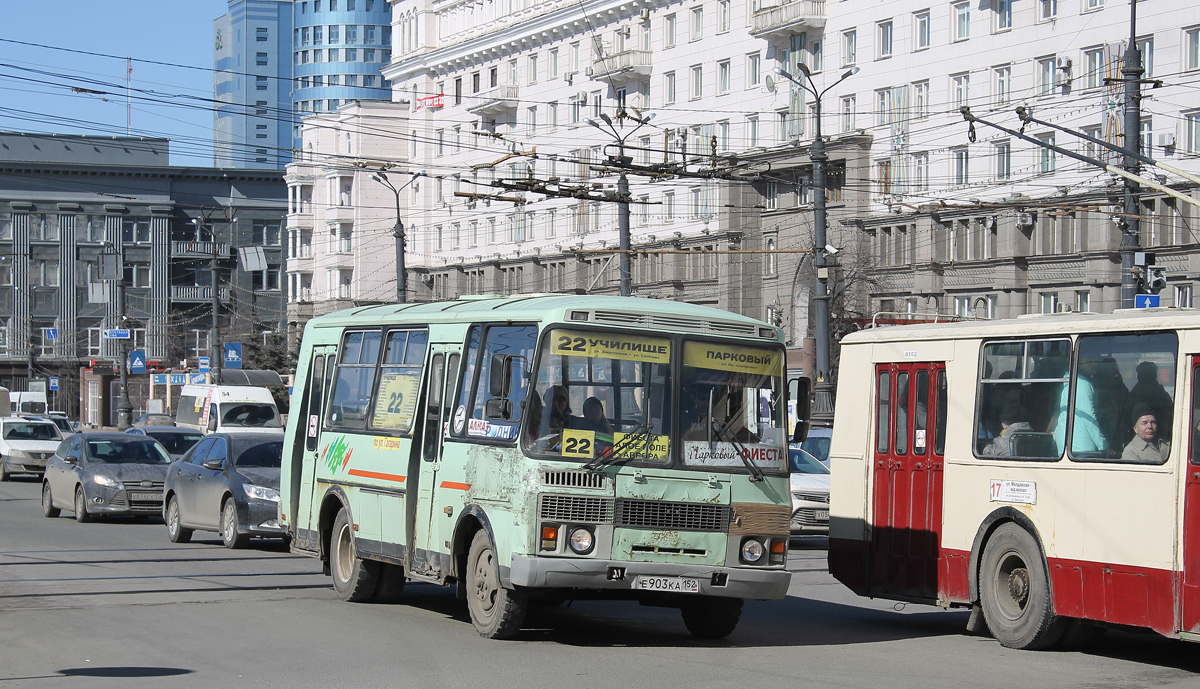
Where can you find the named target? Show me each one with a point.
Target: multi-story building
(338, 47)
(252, 56)
(340, 226)
(67, 200)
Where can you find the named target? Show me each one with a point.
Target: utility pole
(398, 232)
(1131, 75)
(822, 413)
(217, 353)
(124, 405)
(622, 188)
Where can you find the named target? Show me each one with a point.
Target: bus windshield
(601, 394)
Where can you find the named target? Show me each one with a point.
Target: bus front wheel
(712, 617)
(496, 612)
(354, 579)
(1014, 591)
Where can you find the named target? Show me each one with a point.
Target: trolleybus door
(434, 414)
(305, 447)
(907, 505)
(1190, 614)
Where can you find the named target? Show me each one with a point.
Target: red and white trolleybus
(1044, 471)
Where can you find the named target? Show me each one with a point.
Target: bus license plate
(822, 514)
(669, 584)
(146, 497)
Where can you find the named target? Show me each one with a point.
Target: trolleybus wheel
(81, 513)
(711, 617)
(354, 579)
(1014, 591)
(48, 507)
(229, 527)
(496, 612)
(175, 528)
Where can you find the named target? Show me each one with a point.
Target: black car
(105, 473)
(177, 441)
(228, 483)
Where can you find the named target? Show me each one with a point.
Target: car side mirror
(214, 464)
(70, 460)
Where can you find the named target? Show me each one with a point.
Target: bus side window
(433, 407)
(316, 380)
(882, 413)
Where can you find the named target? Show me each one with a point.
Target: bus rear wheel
(354, 579)
(496, 612)
(1014, 591)
(711, 617)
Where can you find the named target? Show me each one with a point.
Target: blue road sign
(51, 333)
(137, 361)
(204, 364)
(158, 378)
(1145, 301)
(233, 355)
(53, 384)
(117, 334)
(197, 379)
(179, 379)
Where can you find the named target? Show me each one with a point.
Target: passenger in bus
(559, 403)
(593, 417)
(1150, 392)
(1010, 423)
(1086, 437)
(1146, 447)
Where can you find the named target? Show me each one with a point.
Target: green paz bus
(543, 447)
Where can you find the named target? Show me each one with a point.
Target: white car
(26, 444)
(810, 494)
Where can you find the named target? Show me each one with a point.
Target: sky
(36, 80)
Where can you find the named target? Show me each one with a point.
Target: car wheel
(1014, 591)
(354, 579)
(48, 507)
(229, 527)
(3, 469)
(81, 513)
(496, 612)
(175, 529)
(712, 617)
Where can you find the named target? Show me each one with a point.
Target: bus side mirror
(500, 381)
(498, 408)
(800, 390)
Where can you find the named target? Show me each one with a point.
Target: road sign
(1145, 301)
(51, 333)
(53, 384)
(179, 379)
(204, 365)
(137, 361)
(117, 334)
(158, 378)
(197, 379)
(233, 355)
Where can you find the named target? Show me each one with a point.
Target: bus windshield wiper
(723, 435)
(613, 455)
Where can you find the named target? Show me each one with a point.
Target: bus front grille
(574, 479)
(574, 508)
(677, 516)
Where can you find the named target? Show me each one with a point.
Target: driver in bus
(1146, 447)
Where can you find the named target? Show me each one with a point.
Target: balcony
(788, 18)
(199, 249)
(300, 221)
(495, 100)
(629, 64)
(196, 293)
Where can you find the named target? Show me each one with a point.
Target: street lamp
(622, 185)
(823, 403)
(398, 230)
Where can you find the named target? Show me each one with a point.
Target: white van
(222, 408)
(28, 402)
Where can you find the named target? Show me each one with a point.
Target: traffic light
(1156, 278)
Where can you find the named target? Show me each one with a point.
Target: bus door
(1190, 615)
(304, 450)
(424, 464)
(909, 442)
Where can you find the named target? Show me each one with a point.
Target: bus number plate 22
(669, 584)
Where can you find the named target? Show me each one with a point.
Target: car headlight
(581, 540)
(15, 453)
(106, 482)
(752, 550)
(260, 493)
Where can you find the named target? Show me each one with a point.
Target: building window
(260, 34)
(697, 23)
(752, 130)
(669, 31)
(848, 113)
(1003, 153)
(921, 99)
(723, 76)
(920, 171)
(668, 88)
(265, 233)
(1003, 9)
(1083, 301)
(1049, 302)
(1046, 155)
(884, 42)
(1193, 132)
(753, 69)
(921, 30)
(260, 83)
(260, 59)
(960, 89)
(1046, 67)
(1001, 85)
(960, 164)
(962, 21)
(697, 91)
(1047, 9)
(849, 48)
(533, 69)
(1146, 48)
(1090, 5)
(1183, 296)
(134, 230)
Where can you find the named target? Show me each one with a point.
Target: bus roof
(656, 314)
(1034, 324)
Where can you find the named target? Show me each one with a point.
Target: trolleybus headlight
(581, 540)
(752, 550)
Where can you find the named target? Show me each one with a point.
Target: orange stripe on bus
(375, 474)
(456, 486)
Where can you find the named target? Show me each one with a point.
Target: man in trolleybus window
(1145, 447)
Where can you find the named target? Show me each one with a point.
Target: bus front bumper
(727, 582)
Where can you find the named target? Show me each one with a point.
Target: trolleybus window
(1022, 385)
(399, 380)
(483, 343)
(883, 422)
(355, 377)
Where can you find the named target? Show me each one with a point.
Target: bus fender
(993, 520)
(334, 499)
(469, 521)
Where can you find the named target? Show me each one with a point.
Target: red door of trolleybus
(1190, 614)
(909, 443)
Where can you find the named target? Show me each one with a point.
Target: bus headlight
(752, 550)
(581, 540)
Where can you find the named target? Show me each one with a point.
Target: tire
(1014, 591)
(176, 531)
(354, 579)
(711, 617)
(229, 527)
(48, 507)
(391, 583)
(81, 513)
(496, 612)
(3, 469)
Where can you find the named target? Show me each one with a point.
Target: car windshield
(135, 450)
(176, 443)
(817, 446)
(63, 424)
(804, 463)
(31, 430)
(250, 452)
(249, 414)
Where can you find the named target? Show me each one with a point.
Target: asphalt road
(115, 604)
